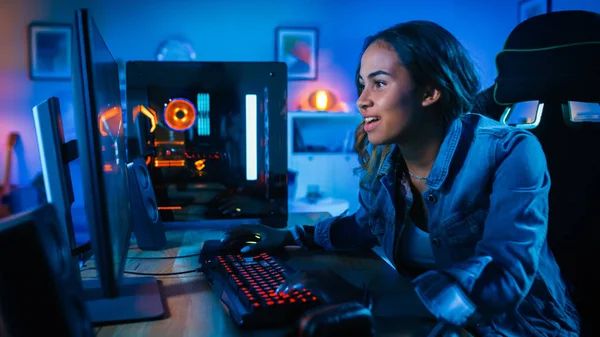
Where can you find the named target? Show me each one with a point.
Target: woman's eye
(379, 84)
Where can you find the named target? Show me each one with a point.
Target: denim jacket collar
(441, 166)
(389, 162)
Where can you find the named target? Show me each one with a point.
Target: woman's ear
(430, 96)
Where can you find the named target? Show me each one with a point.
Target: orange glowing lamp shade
(180, 114)
(322, 100)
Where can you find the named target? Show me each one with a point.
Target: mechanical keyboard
(246, 286)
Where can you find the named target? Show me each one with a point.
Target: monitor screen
(214, 137)
(101, 143)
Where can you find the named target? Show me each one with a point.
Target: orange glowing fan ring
(180, 114)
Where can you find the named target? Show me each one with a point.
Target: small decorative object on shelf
(322, 100)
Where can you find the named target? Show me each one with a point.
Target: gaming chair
(555, 59)
(487, 106)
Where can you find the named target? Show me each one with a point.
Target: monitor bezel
(58, 184)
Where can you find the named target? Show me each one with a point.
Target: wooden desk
(193, 310)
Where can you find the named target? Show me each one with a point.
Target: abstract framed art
(531, 8)
(50, 51)
(298, 48)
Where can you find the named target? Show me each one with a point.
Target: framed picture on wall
(50, 51)
(531, 8)
(298, 48)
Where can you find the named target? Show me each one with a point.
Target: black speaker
(40, 288)
(147, 226)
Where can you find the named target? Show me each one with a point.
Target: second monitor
(214, 137)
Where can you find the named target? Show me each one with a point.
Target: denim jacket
(487, 204)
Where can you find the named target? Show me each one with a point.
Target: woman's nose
(364, 102)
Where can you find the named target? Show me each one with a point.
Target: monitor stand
(139, 300)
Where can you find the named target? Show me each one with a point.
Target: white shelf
(332, 169)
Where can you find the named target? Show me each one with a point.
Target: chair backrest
(554, 59)
(487, 106)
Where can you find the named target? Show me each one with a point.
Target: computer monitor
(52, 305)
(101, 146)
(210, 130)
(55, 156)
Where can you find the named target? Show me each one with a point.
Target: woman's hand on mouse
(269, 238)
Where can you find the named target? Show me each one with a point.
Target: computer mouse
(235, 240)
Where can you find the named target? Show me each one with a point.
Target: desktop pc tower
(209, 131)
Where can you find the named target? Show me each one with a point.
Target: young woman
(457, 201)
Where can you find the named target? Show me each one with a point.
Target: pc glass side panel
(208, 131)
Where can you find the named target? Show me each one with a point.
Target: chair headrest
(552, 57)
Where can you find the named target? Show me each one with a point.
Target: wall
(565, 5)
(232, 30)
